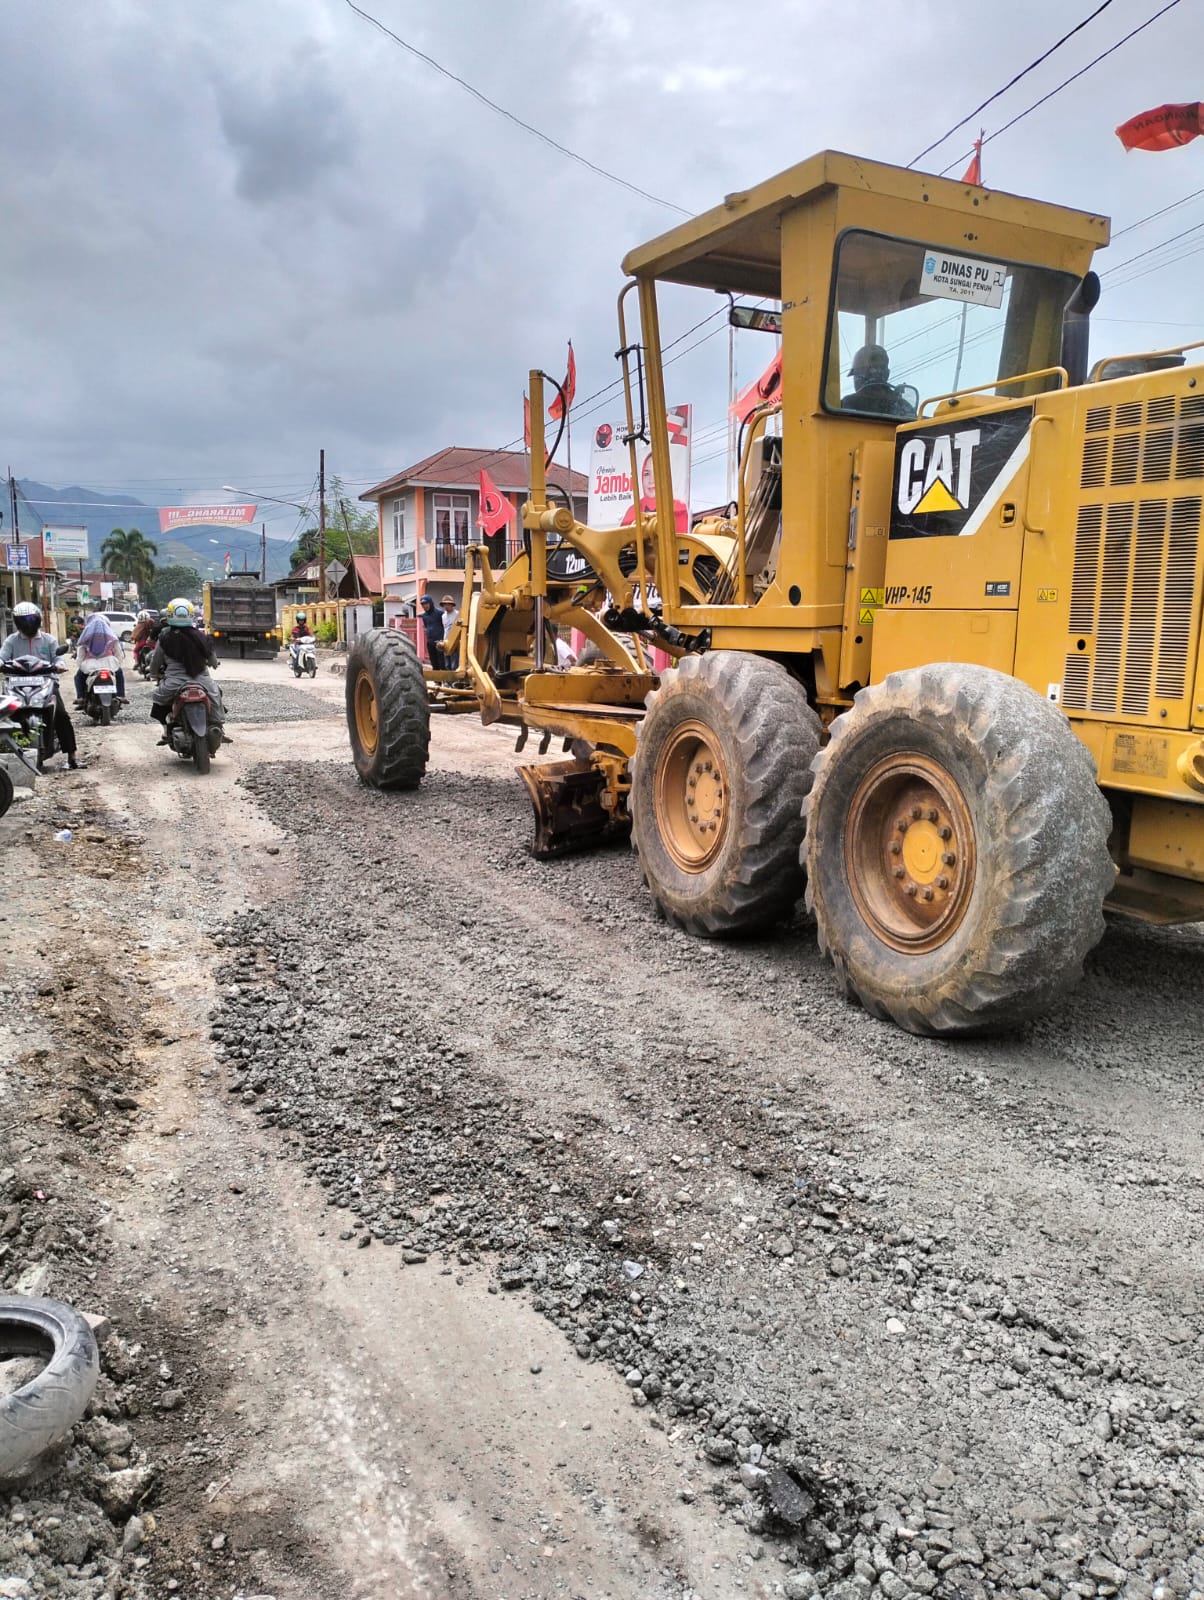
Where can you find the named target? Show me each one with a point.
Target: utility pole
(263, 552)
(321, 524)
(12, 495)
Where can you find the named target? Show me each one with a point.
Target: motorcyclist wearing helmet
(301, 627)
(29, 640)
(182, 656)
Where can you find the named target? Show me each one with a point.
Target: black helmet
(28, 619)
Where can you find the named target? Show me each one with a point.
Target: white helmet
(180, 613)
(28, 618)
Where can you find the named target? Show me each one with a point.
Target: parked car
(122, 623)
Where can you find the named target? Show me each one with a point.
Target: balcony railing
(501, 552)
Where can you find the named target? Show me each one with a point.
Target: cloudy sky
(235, 231)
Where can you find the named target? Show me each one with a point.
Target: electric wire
(1065, 84)
(1010, 84)
(527, 127)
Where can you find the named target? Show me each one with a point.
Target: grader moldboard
(942, 666)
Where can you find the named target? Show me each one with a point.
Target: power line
(1141, 221)
(538, 133)
(1141, 254)
(1011, 83)
(1066, 82)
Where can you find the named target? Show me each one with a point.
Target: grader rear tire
(956, 850)
(721, 769)
(388, 717)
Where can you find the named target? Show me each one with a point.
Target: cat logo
(948, 479)
(934, 472)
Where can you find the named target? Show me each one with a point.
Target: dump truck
(940, 668)
(240, 616)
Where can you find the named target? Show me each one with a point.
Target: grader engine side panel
(1114, 566)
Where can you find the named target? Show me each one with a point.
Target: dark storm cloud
(288, 136)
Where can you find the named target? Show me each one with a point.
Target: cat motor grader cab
(943, 663)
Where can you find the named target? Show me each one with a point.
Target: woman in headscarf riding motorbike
(183, 656)
(98, 648)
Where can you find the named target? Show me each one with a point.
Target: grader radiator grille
(1135, 590)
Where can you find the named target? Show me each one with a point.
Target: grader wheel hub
(909, 851)
(692, 797)
(367, 724)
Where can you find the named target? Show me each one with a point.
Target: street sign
(18, 558)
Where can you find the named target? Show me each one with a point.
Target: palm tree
(131, 555)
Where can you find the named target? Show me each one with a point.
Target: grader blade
(569, 814)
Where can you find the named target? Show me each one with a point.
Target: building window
(452, 512)
(399, 524)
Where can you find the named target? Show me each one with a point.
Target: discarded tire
(956, 850)
(388, 717)
(42, 1412)
(721, 768)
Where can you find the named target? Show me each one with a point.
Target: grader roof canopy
(737, 246)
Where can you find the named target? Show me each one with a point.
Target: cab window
(911, 321)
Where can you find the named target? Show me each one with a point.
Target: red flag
(1164, 128)
(496, 511)
(570, 387)
(526, 421)
(767, 387)
(973, 173)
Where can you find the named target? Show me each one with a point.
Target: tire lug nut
(942, 883)
(949, 858)
(928, 894)
(945, 832)
(911, 890)
(903, 824)
(899, 872)
(932, 813)
(916, 813)
(896, 848)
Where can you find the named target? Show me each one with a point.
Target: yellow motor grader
(941, 665)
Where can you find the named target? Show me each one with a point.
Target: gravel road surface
(502, 1241)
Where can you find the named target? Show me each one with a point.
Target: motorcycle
(189, 732)
(31, 684)
(304, 656)
(100, 696)
(10, 744)
(143, 651)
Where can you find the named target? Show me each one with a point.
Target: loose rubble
(900, 1384)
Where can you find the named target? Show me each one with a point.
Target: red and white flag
(227, 563)
(570, 388)
(1164, 128)
(496, 511)
(767, 387)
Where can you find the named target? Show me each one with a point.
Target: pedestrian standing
(451, 615)
(432, 628)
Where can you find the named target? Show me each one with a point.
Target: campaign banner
(65, 544)
(172, 517)
(610, 489)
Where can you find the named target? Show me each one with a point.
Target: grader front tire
(956, 850)
(721, 768)
(388, 717)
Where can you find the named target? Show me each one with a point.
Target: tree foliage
(171, 581)
(131, 555)
(350, 529)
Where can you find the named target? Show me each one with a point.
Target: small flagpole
(568, 447)
(731, 400)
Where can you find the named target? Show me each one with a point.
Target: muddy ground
(466, 1232)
